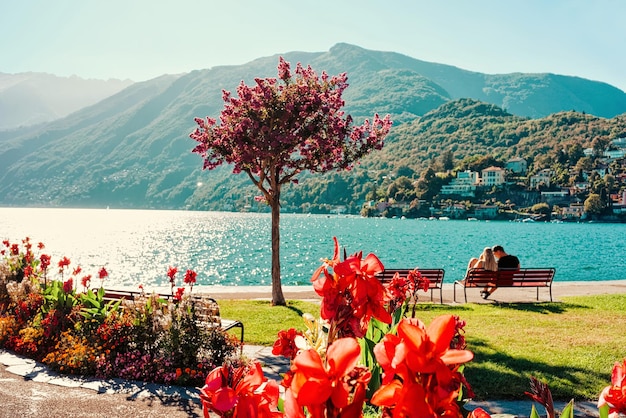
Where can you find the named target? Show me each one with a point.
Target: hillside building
(492, 176)
(542, 177)
(463, 185)
(517, 165)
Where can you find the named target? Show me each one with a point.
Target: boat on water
(444, 218)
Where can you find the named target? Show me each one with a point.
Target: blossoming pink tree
(278, 128)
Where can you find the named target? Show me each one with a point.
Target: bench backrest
(206, 308)
(434, 276)
(531, 277)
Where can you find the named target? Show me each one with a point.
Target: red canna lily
(351, 293)
(479, 413)
(64, 262)
(85, 281)
(334, 387)
(45, 262)
(190, 277)
(103, 273)
(240, 392)
(178, 296)
(285, 345)
(171, 273)
(615, 395)
(420, 368)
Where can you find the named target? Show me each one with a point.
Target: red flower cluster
(171, 273)
(103, 273)
(351, 293)
(190, 278)
(285, 345)
(178, 296)
(615, 395)
(64, 262)
(335, 387)
(420, 369)
(242, 392)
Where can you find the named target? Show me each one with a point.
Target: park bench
(526, 277)
(434, 276)
(206, 308)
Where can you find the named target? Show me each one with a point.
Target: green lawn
(571, 345)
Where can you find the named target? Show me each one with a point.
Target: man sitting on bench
(505, 262)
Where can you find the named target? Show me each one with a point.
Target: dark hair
(497, 248)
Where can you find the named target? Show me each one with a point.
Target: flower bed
(76, 332)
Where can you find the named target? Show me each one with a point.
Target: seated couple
(493, 259)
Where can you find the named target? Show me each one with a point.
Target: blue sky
(140, 39)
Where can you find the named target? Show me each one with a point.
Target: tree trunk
(277, 289)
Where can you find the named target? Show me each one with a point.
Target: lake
(225, 248)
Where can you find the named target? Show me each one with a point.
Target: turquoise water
(137, 246)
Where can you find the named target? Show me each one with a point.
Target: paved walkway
(29, 389)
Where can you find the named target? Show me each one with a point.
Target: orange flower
(351, 293)
(235, 392)
(338, 384)
(615, 394)
(420, 369)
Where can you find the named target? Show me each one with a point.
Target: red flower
(41, 246)
(28, 270)
(351, 293)
(85, 281)
(615, 395)
(171, 272)
(285, 344)
(68, 285)
(103, 273)
(179, 294)
(15, 249)
(45, 262)
(190, 277)
(236, 393)
(64, 262)
(420, 369)
(77, 270)
(335, 387)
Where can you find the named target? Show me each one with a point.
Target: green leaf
(568, 411)
(533, 413)
(604, 411)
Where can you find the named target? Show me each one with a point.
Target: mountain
(33, 98)
(132, 149)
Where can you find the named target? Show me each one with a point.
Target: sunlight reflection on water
(137, 246)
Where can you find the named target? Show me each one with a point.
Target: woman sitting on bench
(505, 262)
(486, 261)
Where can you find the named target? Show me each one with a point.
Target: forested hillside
(133, 149)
